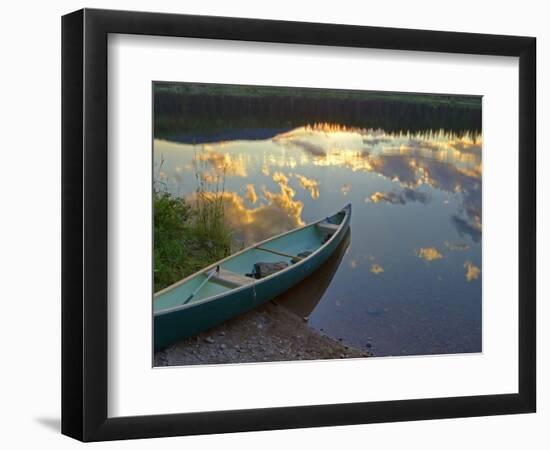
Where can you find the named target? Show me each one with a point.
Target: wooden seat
(328, 227)
(231, 279)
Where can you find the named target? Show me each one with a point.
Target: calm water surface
(408, 281)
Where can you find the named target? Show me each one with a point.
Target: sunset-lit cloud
(251, 193)
(399, 198)
(291, 162)
(279, 214)
(220, 164)
(472, 271)
(280, 177)
(376, 269)
(284, 201)
(309, 184)
(416, 163)
(465, 145)
(429, 253)
(437, 159)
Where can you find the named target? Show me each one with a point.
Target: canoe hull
(186, 322)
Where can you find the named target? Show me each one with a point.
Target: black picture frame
(84, 224)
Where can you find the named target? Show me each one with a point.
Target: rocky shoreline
(269, 333)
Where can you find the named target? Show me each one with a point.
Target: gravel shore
(269, 333)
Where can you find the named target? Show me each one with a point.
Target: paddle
(216, 270)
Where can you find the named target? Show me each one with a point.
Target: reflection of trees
(206, 114)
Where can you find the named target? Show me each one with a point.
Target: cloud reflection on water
(416, 241)
(251, 193)
(218, 163)
(472, 271)
(399, 198)
(439, 160)
(278, 214)
(429, 254)
(436, 160)
(309, 184)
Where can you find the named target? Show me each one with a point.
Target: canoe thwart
(231, 279)
(328, 227)
(276, 252)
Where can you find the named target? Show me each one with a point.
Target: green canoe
(229, 288)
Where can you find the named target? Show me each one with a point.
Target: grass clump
(188, 235)
(208, 210)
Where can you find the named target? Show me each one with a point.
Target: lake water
(408, 281)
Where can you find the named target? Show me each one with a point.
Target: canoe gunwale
(346, 209)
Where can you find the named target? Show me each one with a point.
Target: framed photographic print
(276, 224)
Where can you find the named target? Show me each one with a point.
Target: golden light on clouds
(438, 159)
(376, 269)
(376, 197)
(351, 159)
(429, 253)
(329, 157)
(281, 213)
(472, 271)
(223, 163)
(285, 202)
(251, 193)
(309, 184)
(280, 177)
(411, 160)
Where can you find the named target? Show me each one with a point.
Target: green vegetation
(209, 215)
(228, 90)
(182, 110)
(188, 236)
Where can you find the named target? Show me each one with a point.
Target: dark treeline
(180, 113)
